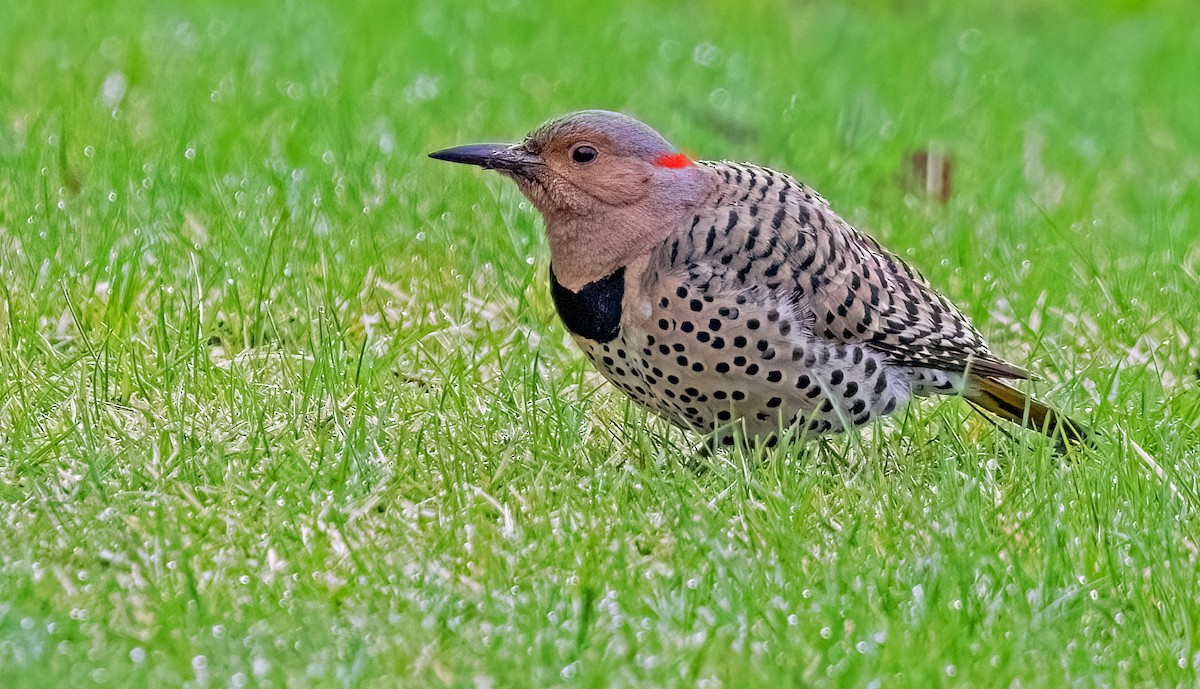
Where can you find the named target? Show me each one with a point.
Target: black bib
(594, 312)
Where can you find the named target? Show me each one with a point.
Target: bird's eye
(583, 154)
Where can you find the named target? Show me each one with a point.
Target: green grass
(285, 403)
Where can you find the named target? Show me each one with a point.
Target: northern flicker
(730, 298)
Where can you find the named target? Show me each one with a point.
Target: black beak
(489, 156)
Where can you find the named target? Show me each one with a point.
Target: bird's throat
(589, 249)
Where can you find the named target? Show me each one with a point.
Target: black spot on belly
(594, 312)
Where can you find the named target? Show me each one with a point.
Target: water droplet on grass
(113, 90)
(706, 54)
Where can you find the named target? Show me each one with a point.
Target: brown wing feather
(871, 295)
(843, 282)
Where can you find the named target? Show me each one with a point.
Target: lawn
(285, 403)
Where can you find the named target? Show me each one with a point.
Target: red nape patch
(674, 161)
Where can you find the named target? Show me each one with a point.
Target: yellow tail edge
(1010, 404)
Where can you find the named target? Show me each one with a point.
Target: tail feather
(1013, 405)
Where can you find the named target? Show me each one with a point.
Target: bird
(731, 299)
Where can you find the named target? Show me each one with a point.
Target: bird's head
(608, 187)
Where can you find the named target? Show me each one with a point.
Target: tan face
(578, 163)
(582, 168)
(609, 188)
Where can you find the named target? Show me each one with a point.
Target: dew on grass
(705, 54)
(424, 89)
(969, 41)
(112, 92)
